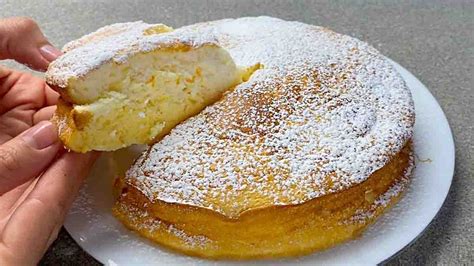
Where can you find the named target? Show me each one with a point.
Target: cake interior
(143, 99)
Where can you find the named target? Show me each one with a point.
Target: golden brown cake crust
(63, 119)
(270, 232)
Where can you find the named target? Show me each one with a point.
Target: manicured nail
(41, 135)
(49, 52)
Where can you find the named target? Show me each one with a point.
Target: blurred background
(432, 39)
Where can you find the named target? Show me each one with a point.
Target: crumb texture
(130, 84)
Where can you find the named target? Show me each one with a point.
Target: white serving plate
(91, 224)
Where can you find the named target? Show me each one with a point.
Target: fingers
(51, 95)
(12, 199)
(36, 222)
(27, 155)
(44, 114)
(18, 88)
(22, 40)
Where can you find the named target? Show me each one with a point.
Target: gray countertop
(434, 40)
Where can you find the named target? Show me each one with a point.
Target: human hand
(38, 179)
(22, 40)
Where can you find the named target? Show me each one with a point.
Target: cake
(131, 83)
(309, 143)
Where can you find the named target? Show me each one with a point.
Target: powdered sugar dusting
(190, 240)
(116, 43)
(144, 221)
(385, 199)
(326, 111)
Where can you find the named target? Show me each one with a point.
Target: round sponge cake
(308, 146)
(302, 156)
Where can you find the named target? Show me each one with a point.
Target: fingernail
(49, 52)
(41, 136)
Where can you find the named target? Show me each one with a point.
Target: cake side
(271, 232)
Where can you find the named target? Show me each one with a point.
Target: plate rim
(451, 175)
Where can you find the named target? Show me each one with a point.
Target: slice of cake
(136, 81)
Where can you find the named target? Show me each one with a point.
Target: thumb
(22, 40)
(27, 155)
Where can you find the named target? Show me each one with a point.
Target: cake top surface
(322, 115)
(116, 43)
(324, 112)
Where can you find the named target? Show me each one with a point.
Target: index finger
(22, 40)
